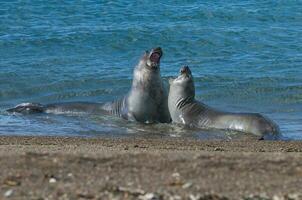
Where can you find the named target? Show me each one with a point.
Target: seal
(184, 109)
(146, 102)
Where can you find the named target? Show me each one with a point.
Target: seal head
(182, 87)
(152, 58)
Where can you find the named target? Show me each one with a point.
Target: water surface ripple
(245, 56)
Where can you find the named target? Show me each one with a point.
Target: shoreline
(134, 168)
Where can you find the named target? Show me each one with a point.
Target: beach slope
(135, 168)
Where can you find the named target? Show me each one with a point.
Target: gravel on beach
(136, 168)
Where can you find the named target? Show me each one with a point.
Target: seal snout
(185, 70)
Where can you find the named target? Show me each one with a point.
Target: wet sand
(135, 168)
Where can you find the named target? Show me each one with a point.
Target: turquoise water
(245, 56)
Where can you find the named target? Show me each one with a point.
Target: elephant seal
(184, 109)
(146, 102)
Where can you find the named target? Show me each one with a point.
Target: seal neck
(144, 77)
(182, 93)
(182, 102)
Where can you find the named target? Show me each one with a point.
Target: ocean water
(245, 56)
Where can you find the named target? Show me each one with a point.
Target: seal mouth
(154, 57)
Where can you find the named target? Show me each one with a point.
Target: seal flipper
(59, 108)
(27, 108)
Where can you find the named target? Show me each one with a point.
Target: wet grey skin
(146, 102)
(184, 109)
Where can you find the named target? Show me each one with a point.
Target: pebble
(257, 197)
(85, 195)
(131, 190)
(175, 197)
(149, 196)
(208, 197)
(218, 149)
(8, 193)
(293, 196)
(12, 183)
(194, 197)
(52, 180)
(277, 198)
(187, 185)
(176, 175)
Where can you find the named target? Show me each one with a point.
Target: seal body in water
(146, 102)
(184, 109)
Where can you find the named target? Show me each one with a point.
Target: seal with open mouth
(146, 101)
(184, 109)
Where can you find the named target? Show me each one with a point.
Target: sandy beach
(135, 168)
